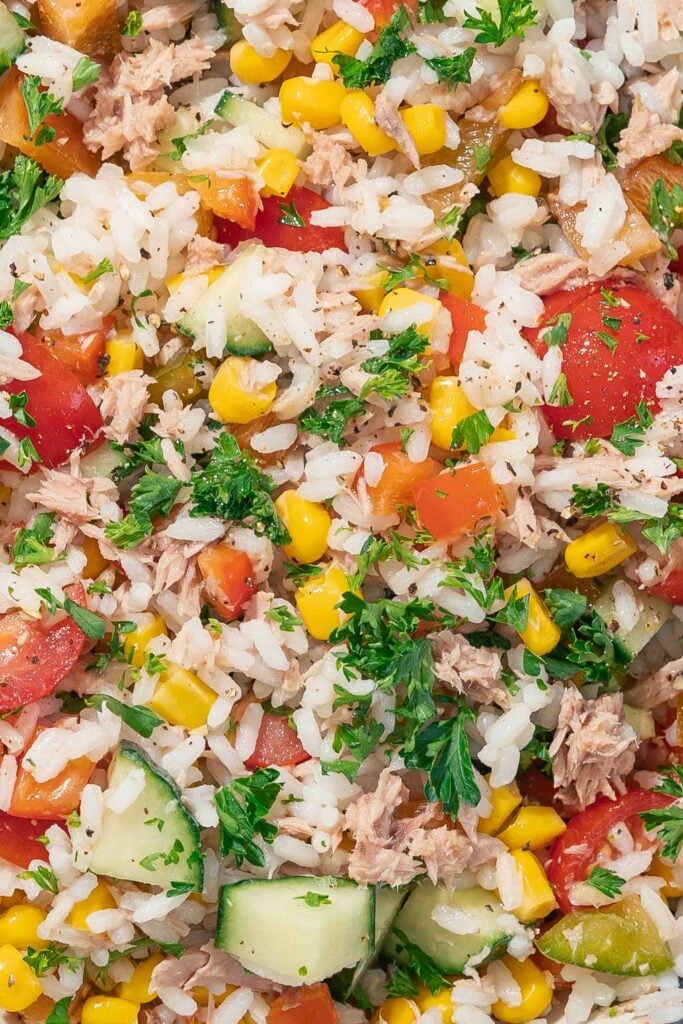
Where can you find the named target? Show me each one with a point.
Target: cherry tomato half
(34, 658)
(271, 230)
(228, 578)
(277, 743)
(19, 839)
(311, 1004)
(620, 342)
(394, 490)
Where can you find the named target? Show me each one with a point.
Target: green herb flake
(133, 25)
(103, 267)
(666, 212)
(86, 72)
(608, 882)
(242, 807)
(391, 46)
(152, 495)
(6, 315)
(39, 105)
(514, 16)
(629, 435)
(315, 899)
(558, 332)
(472, 432)
(455, 69)
(559, 393)
(290, 216)
(32, 544)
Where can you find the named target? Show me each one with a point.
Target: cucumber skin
(227, 21)
(17, 44)
(342, 985)
(247, 348)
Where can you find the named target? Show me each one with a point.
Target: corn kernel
(317, 602)
(540, 633)
(404, 298)
(507, 176)
(451, 265)
(19, 986)
(532, 828)
(137, 989)
(96, 563)
(311, 101)
(357, 113)
(279, 169)
(338, 38)
(99, 899)
(182, 698)
(174, 283)
(254, 69)
(599, 550)
(371, 295)
(527, 107)
(201, 996)
(427, 125)
(449, 406)
(396, 1011)
(538, 898)
(123, 355)
(504, 801)
(135, 644)
(236, 395)
(307, 523)
(442, 1001)
(19, 927)
(537, 993)
(109, 1010)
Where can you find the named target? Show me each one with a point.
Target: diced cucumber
(654, 614)
(101, 462)
(388, 902)
(188, 121)
(227, 21)
(299, 930)
(450, 952)
(265, 127)
(155, 840)
(217, 322)
(620, 939)
(12, 39)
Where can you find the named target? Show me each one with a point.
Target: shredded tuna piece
(658, 688)
(651, 131)
(472, 671)
(167, 15)
(593, 748)
(662, 283)
(203, 254)
(389, 120)
(123, 403)
(559, 84)
(74, 499)
(550, 271)
(330, 163)
(208, 967)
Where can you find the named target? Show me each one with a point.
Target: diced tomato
(311, 1004)
(82, 353)
(400, 476)
(457, 502)
(34, 657)
(276, 743)
(270, 229)
(383, 10)
(66, 416)
(55, 798)
(466, 316)
(231, 199)
(228, 578)
(19, 839)
(671, 587)
(607, 380)
(576, 850)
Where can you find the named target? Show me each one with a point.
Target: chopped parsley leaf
(24, 189)
(393, 372)
(39, 105)
(559, 393)
(455, 69)
(608, 882)
(628, 436)
(472, 432)
(31, 544)
(242, 807)
(557, 333)
(514, 16)
(291, 217)
(152, 495)
(333, 421)
(666, 212)
(376, 70)
(86, 72)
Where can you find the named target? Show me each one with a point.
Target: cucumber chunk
(621, 939)
(654, 613)
(227, 21)
(265, 127)
(299, 930)
(388, 902)
(449, 952)
(216, 320)
(132, 845)
(12, 39)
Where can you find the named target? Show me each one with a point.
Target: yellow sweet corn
(357, 113)
(427, 126)
(372, 294)
(99, 899)
(504, 802)
(317, 602)
(135, 643)
(201, 996)
(182, 698)
(338, 38)
(19, 986)
(96, 562)
(137, 990)
(598, 551)
(123, 354)
(174, 283)
(540, 633)
(235, 394)
(449, 406)
(279, 169)
(507, 176)
(451, 265)
(532, 828)
(404, 298)
(442, 1001)
(308, 524)
(538, 898)
(109, 1010)
(396, 1011)
(536, 991)
(311, 101)
(527, 107)
(254, 69)
(19, 927)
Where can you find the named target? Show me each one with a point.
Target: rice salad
(341, 462)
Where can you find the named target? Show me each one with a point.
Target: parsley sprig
(332, 422)
(153, 495)
(667, 822)
(32, 544)
(39, 105)
(514, 16)
(666, 212)
(393, 373)
(242, 807)
(23, 190)
(391, 46)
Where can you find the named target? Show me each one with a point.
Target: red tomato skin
(277, 743)
(466, 316)
(311, 1004)
(607, 385)
(383, 10)
(671, 587)
(65, 414)
(82, 353)
(276, 235)
(576, 850)
(55, 798)
(229, 579)
(19, 839)
(33, 658)
(453, 503)
(400, 476)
